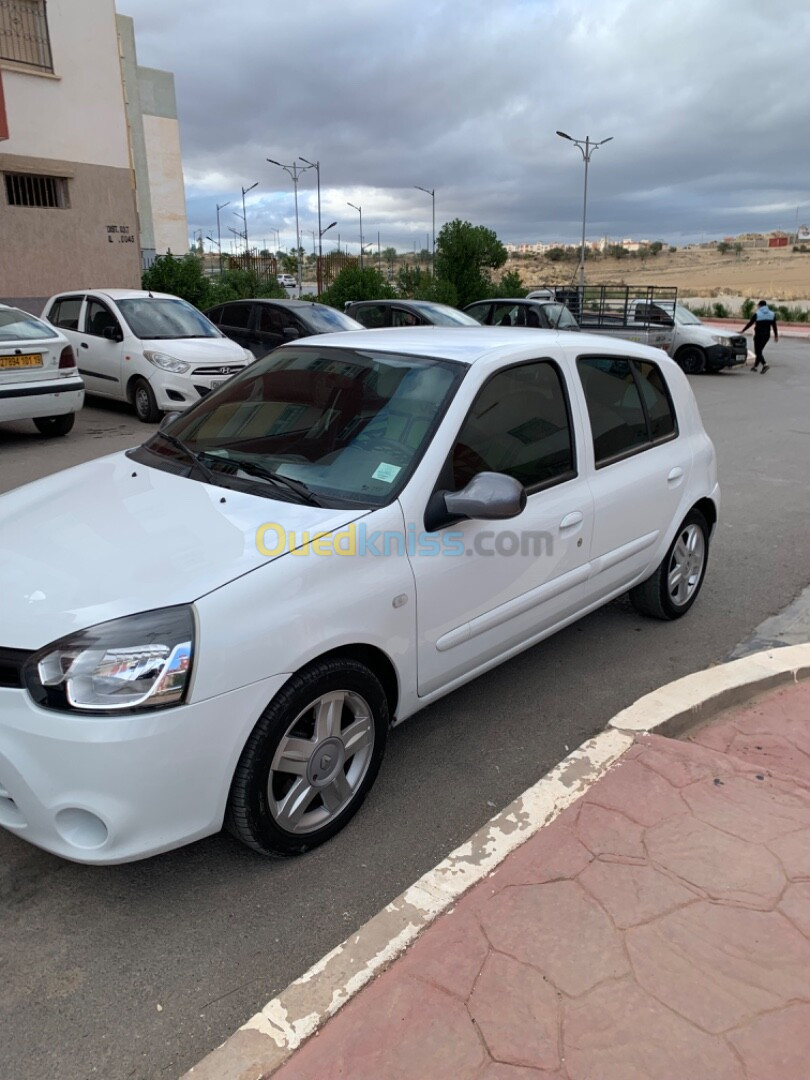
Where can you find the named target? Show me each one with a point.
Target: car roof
(118, 294)
(289, 302)
(468, 344)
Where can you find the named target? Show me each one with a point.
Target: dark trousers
(760, 341)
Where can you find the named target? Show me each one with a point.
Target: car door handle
(675, 475)
(570, 520)
(84, 345)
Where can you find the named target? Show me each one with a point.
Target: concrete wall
(132, 97)
(166, 184)
(71, 123)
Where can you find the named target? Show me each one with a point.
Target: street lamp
(359, 210)
(585, 148)
(220, 206)
(294, 171)
(316, 165)
(432, 194)
(244, 215)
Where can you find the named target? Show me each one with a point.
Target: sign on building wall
(122, 232)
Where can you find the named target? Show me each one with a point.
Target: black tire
(249, 816)
(146, 406)
(52, 426)
(692, 360)
(652, 597)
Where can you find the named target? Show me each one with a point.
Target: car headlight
(718, 339)
(168, 363)
(138, 662)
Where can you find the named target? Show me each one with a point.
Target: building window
(24, 33)
(27, 189)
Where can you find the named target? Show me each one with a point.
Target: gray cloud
(705, 102)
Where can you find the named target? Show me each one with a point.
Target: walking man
(763, 320)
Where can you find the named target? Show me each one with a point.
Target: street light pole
(295, 171)
(432, 194)
(244, 215)
(316, 165)
(585, 148)
(220, 206)
(359, 210)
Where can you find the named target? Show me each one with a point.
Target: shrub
(720, 311)
(352, 283)
(747, 308)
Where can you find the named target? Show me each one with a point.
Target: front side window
(400, 317)
(519, 425)
(349, 424)
(621, 422)
(65, 313)
(236, 315)
(479, 312)
(370, 315)
(98, 319)
(166, 318)
(16, 325)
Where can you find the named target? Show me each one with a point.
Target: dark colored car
(544, 314)
(263, 325)
(377, 313)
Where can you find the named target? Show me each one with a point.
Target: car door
(494, 586)
(234, 322)
(65, 312)
(639, 466)
(99, 355)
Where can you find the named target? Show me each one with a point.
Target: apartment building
(89, 175)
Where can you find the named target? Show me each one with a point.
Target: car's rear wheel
(692, 360)
(678, 579)
(310, 760)
(52, 426)
(145, 402)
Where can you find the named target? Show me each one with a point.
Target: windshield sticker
(386, 472)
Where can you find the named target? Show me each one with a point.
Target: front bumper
(102, 789)
(24, 401)
(175, 392)
(723, 356)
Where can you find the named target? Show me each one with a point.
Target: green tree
(723, 248)
(656, 246)
(181, 277)
(415, 283)
(389, 254)
(465, 255)
(557, 254)
(352, 283)
(511, 286)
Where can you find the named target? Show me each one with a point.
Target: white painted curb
(268, 1039)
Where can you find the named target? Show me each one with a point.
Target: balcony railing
(24, 33)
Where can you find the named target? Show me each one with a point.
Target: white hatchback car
(234, 613)
(151, 349)
(38, 376)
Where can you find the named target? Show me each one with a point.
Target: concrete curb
(270, 1037)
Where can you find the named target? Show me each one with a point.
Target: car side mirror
(290, 333)
(489, 496)
(113, 333)
(167, 421)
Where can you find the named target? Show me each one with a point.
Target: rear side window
(370, 316)
(65, 312)
(518, 425)
(237, 315)
(628, 405)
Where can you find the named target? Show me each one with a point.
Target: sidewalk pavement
(658, 928)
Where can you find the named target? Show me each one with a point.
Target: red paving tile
(658, 929)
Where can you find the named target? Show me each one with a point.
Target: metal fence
(24, 33)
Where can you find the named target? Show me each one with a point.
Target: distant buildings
(90, 170)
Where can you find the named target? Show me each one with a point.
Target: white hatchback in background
(154, 350)
(38, 376)
(226, 620)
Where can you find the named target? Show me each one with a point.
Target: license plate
(28, 360)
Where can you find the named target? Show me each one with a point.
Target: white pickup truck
(694, 346)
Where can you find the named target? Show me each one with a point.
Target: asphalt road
(138, 971)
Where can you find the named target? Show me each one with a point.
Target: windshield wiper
(189, 453)
(253, 468)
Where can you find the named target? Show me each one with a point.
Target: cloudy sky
(706, 101)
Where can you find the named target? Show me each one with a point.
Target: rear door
(235, 323)
(371, 316)
(639, 469)
(100, 356)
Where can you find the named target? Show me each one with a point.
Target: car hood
(199, 350)
(113, 537)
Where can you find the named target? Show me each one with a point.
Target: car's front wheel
(692, 360)
(145, 402)
(678, 579)
(310, 760)
(52, 426)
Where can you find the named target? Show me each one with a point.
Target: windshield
(684, 315)
(150, 318)
(442, 315)
(16, 325)
(560, 317)
(349, 424)
(325, 319)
